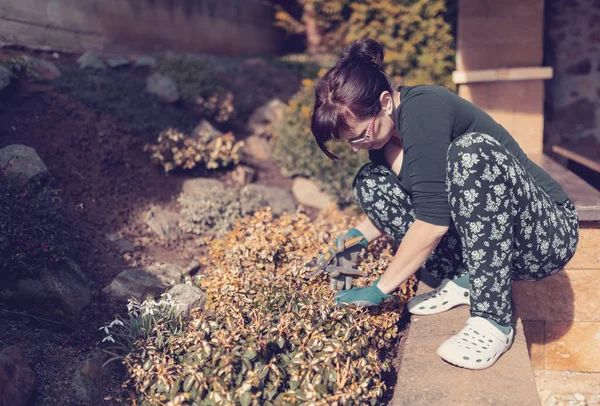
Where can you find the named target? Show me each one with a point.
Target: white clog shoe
(477, 346)
(444, 297)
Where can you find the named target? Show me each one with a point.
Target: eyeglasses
(365, 138)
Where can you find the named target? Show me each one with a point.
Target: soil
(106, 183)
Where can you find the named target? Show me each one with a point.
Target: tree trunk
(313, 34)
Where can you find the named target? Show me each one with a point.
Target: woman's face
(375, 132)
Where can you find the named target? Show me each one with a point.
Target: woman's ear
(387, 103)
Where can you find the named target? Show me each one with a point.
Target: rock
(89, 380)
(162, 87)
(594, 400)
(551, 401)
(545, 395)
(148, 61)
(266, 116)
(17, 379)
(25, 163)
(124, 246)
(579, 397)
(200, 186)
(91, 60)
(59, 295)
(309, 194)
(257, 147)
(205, 132)
(143, 282)
(187, 297)
(280, 200)
(242, 175)
(6, 78)
(163, 222)
(117, 61)
(44, 69)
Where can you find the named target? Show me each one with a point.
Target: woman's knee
(470, 143)
(363, 181)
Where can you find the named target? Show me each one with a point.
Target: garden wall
(227, 27)
(573, 50)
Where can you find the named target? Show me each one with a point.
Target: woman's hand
(369, 296)
(343, 255)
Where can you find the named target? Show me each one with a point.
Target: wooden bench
(585, 197)
(584, 153)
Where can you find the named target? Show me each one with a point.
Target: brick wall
(573, 50)
(504, 34)
(140, 26)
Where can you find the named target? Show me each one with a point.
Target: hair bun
(366, 50)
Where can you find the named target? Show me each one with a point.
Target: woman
(453, 188)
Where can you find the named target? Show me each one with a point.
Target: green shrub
(417, 34)
(268, 336)
(418, 41)
(298, 154)
(21, 68)
(199, 84)
(123, 96)
(176, 150)
(35, 233)
(215, 210)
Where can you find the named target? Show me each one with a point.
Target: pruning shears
(323, 263)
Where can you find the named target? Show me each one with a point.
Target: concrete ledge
(425, 379)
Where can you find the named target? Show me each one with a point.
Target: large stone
(263, 119)
(89, 380)
(201, 186)
(257, 147)
(59, 295)
(280, 200)
(21, 162)
(17, 380)
(535, 335)
(146, 61)
(117, 61)
(309, 194)
(162, 87)
(205, 132)
(91, 60)
(6, 78)
(586, 256)
(187, 297)
(163, 222)
(243, 175)
(143, 282)
(44, 69)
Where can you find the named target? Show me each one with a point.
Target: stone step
(425, 379)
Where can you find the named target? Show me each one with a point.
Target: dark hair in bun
(350, 89)
(366, 50)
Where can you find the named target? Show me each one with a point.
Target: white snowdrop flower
(108, 338)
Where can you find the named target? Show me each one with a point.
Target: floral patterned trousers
(504, 226)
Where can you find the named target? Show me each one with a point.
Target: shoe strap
(485, 326)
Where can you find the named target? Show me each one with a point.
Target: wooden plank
(584, 196)
(500, 75)
(589, 158)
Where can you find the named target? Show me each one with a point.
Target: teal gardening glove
(344, 256)
(369, 296)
